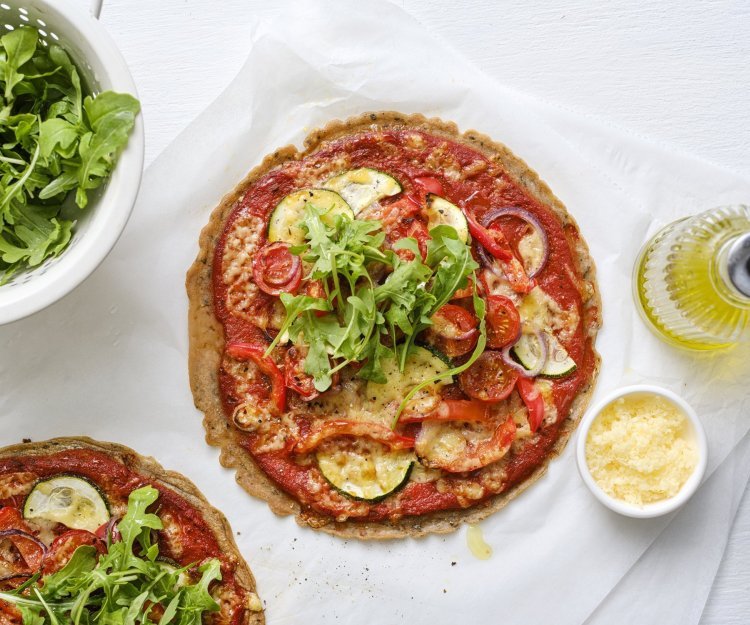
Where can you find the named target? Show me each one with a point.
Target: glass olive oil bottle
(692, 280)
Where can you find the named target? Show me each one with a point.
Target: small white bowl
(101, 223)
(657, 508)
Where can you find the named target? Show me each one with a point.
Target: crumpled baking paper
(110, 360)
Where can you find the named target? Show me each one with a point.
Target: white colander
(102, 68)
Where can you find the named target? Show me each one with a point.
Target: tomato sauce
(396, 152)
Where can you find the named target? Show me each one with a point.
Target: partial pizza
(94, 533)
(391, 331)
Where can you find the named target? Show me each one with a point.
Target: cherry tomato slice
(62, 548)
(429, 184)
(534, 402)
(276, 270)
(325, 430)
(255, 352)
(503, 321)
(399, 212)
(489, 379)
(409, 227)
(453, 331)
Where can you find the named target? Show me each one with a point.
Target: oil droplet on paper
(475, 541)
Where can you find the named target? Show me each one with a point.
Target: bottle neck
(733, 264)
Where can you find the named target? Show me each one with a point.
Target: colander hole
(54, 36)
(41, 22)
(5, 6)
(22, 10)
(42, 33)
(24, 18)
(8, 26)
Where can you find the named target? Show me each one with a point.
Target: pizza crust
(151, 469)
(207, 340)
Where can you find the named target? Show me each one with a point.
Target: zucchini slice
(437, 353)
(441, 212)
(527, 352)
(559, 363)
(68, 499)
(285, 222)
(367, 471)
(421, 364)
(362, 187)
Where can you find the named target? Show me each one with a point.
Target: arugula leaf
(367, 319)
(122, 586)
(54, 142)
(479, 309)
(19, 46)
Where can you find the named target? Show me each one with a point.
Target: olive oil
(692, 280)
(475, 540)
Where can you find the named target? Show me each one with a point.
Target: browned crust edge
(151, 469)
(207, 341)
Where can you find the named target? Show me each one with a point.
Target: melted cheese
(539, 311)
(640, 449)
(13, 484)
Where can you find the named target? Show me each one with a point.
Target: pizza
(391, 331)
(93, 532)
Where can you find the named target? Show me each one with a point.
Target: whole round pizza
(392, 331)
(94, 532)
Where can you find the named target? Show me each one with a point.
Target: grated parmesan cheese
(640, 449)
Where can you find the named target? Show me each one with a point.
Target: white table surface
(675, 74)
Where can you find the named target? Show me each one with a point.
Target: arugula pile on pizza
(392, 331)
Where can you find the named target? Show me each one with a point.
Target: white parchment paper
(109, 361)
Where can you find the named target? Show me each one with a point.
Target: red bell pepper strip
(31, 552)
(324, 430)
(452, 410)
(255, 353)
(492, 240)
(534, 401)
(479, 454)
(495, 243)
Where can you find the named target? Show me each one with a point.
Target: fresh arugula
(376, 301)
(122, 586)
(54, 143)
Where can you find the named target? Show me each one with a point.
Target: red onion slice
(111, 533)
(20, 533)
(488, 261)
(13, 576)
(521, 213)
(543, 351)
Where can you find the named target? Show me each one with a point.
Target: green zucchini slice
(441, 212)
(367, 471)
(68, 499)
(527, 352)
(421, 364)
(362, 187)
(286, 219)
(559, 363)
